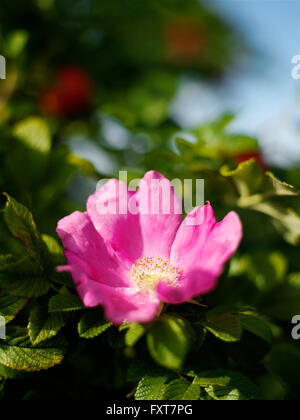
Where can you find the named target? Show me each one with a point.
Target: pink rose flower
(131, 261)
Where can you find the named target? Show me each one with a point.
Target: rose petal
(195, 282)
(120, 304)
(191, 239)
(86, 252)
(201, 249)
(223, 242)
(133, 307)
(160, 214)
(109, 212)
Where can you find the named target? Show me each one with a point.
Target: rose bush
(130, 263)
(166, 306)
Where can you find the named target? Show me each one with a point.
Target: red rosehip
(70, 95)
(185, 41)
(251, 155)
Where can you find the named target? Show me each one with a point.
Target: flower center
(149, 271)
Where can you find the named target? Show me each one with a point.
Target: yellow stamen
(149, 271)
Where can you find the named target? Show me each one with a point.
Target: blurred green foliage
(232, 344)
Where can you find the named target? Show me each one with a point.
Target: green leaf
(218, 143)
(182, 389)
(65, 303)
(6, 261)
(254, 185)
(34, 133)
(17, 353)
(20, 222)
(286, 220)
(279, 188)
(283, 301)
(15, 43)
(256, 190)
(84, 166)
(169, 341)
(63, 279)
(2, 383)
(133, 333)
(284, 362)
(22, 277)
(225, 393)
(54, 249)
(42, 326)
(224, 325)
(256, 325)
(92, 324)
(264, 268)
(30, 157)
(153, 386)
(146, 103)
(10, 306)
(8, 373)
(227, 385)
(60, 172)
(28, 287)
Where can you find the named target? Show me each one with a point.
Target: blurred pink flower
(131, 262)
